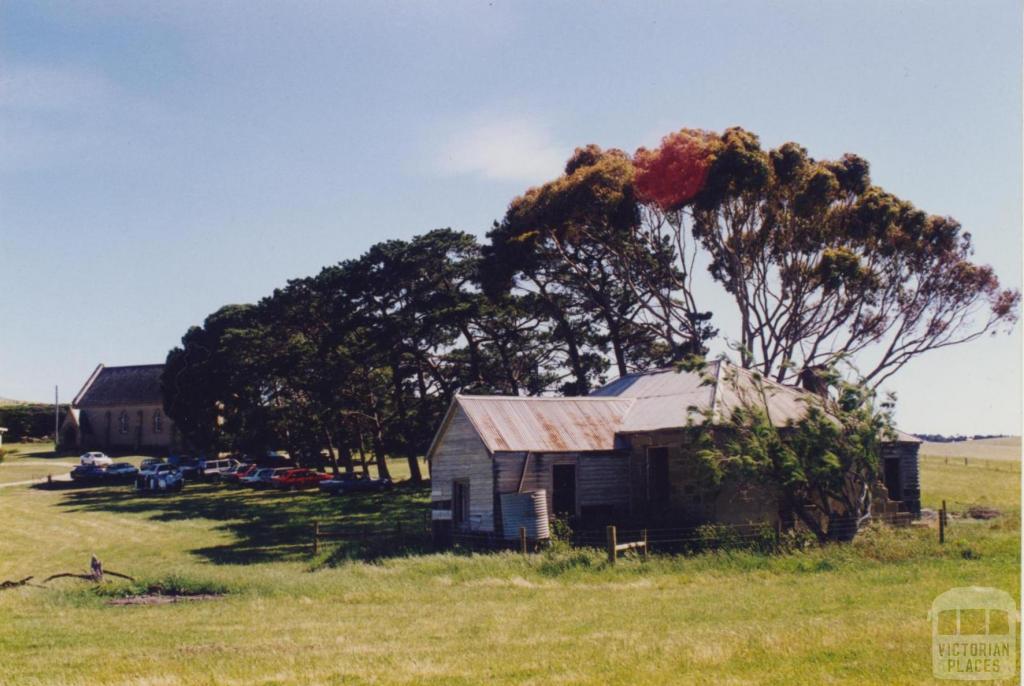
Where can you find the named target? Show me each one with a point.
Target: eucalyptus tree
(576, 244)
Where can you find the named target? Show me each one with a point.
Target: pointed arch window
(122, 422)
(158, 421)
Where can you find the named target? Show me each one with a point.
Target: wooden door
(460, 504)
(658, 484)
(563, 489)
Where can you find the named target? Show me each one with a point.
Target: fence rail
(613, 539)
(399, 532)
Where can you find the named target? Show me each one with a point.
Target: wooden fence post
(522, 540)
(612, 543)
(645, 545)
(316, 537)
(942, 523)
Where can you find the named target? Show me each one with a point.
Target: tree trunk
(331, 452)
(414, 469)
(346, 458)
(362, 452)
(380, 451)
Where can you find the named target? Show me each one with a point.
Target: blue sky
(160, 159)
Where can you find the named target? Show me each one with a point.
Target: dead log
(95, 574)
(27, 581)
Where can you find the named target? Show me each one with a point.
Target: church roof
(132, 385)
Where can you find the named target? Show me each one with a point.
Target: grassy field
(385, 612)
(1004, 449)
(28, 461)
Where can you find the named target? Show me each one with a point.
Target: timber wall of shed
(602, 479)
(910, 480)
(462, 455)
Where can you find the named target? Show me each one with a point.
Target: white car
(95, 459)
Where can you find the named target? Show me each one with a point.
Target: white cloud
(502, 149)
(61, 115)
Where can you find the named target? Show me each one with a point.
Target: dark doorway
(563, 489)
(892, 478)
(658, 486)
(460, 504)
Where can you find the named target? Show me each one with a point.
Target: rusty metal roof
(648, 401)
(550, 425)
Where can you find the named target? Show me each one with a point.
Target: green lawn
(30, 461)
(384, 612)
(980, 482)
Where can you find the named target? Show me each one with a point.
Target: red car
(295, 479)
(236, 476)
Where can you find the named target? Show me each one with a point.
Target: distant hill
(6, 402)
(1004, 448)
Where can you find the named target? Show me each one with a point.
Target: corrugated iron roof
(671, 398)
(509, 423)
(661, 399)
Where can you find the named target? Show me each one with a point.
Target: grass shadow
(267, 525)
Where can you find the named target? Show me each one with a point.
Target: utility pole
(56, 418)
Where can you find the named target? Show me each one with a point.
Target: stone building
(624, 453)
(120, 409)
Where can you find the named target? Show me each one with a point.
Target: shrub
(556, 562)
(170, 585)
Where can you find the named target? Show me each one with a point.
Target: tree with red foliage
(674, 173)
(821, 263)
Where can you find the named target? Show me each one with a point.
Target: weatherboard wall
(460, 455)
(602, 479)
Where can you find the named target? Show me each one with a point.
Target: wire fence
(764, 537)
(419, 534)
(994, 465)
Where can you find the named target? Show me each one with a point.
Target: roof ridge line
(134, 366)
(87, 384)
(601, 398)
(714, 391)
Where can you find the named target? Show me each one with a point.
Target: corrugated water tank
(528, 510)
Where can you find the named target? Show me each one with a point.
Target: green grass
(979, 482)
(843, 614)
(32, 461)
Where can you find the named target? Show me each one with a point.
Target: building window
(123, 422)
(158, 422)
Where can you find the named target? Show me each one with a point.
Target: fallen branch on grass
(96, 575)
(4, 585)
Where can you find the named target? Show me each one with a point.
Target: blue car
(354, 483)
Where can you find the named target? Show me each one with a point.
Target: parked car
(95, 458)
(226, 474)
(354, 483)
(235, 477)
(151, 463)
(88, 474)
(261, 478)
(120, 472)
(294, 479)
(162, 477)
(187, 465)
(211, 469)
